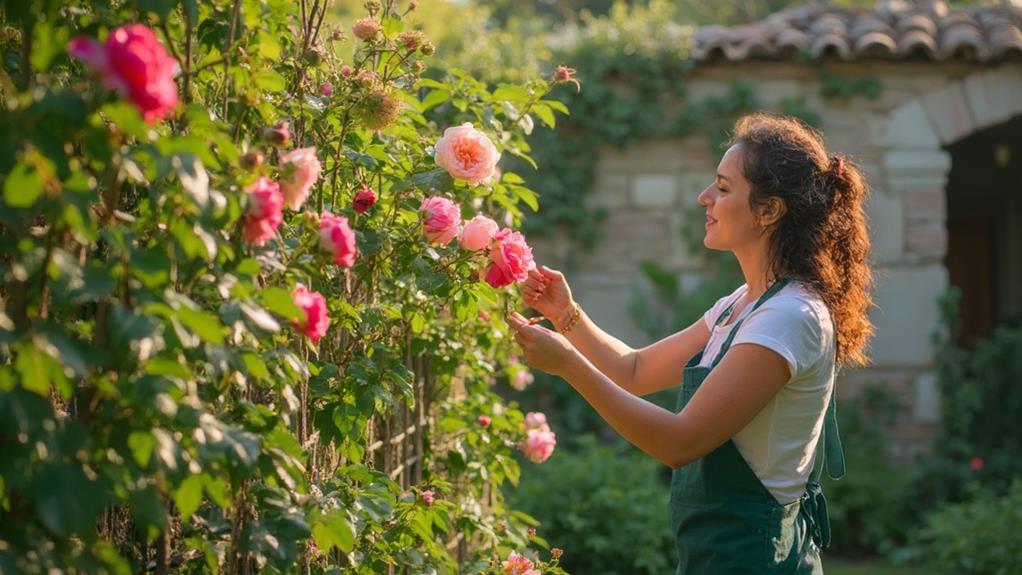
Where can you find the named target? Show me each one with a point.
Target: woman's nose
(704, 196)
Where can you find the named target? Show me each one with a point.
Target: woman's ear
(771, 212)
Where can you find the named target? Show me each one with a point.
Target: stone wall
(897, 138)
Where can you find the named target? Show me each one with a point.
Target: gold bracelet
(573, 320)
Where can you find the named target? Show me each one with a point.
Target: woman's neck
(756, 269)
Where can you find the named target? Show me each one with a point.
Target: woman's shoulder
(796, 305)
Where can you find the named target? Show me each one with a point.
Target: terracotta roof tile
(894, 30)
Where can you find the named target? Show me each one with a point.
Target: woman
(755, 417)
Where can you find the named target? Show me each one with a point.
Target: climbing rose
(265, 211)
(326, 89)
(299, 170)
(977, 464)
(467, 154)
(278, 135)
(511, 257)
(484, 420)
(535, 420)
(477, 233)
(539, 444)
(364, 199)
(313, 306)
(134, 63)
(443, 218)
(522, 379)
(518, 565)
(428, 497)
(336, 237)
(366, 28)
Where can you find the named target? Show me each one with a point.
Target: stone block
(926, 239)
(926, 406)
(994, 96)
(887, 226)
(908, 168)
(950, 113)
(650, 156)
(628, 237)
(607, 303)
(909, 127)
(610, 191)
(654, 191)
(906, 315)
(926, 203)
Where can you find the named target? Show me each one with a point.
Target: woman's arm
(643, 371)
(741, 385)
(640, 372)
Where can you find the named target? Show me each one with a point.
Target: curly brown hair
(822, 239)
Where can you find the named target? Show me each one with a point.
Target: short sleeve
(711, 315)
(791, 326)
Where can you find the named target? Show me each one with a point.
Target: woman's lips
(710, 221)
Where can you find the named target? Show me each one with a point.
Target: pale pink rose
(134, 63)
(442, 219)
(517, 564)
(364, 199)
(346, 71)
(336, 237)
(265, 211)
(477, 233)
(511, 257)
(326, 89)
(535, 420)
(428, 497)
(523, 378)
(484, 420)
(366, 28)
(467, 154)
(299, 170)
(278, 135)
(316, 318)
(538, 445)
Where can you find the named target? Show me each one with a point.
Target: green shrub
(979, 537)
(606, 506)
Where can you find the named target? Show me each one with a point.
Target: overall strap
(829, 452)
(731, 336)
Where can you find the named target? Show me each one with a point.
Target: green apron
(725, 522)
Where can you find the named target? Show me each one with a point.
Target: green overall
(725, 521)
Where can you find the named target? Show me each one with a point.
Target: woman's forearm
(611, 356)
(645, 425)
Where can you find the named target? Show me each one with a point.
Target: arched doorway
(984, 223)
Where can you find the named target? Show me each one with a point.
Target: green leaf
(141, 444)
(188, 496)
(556, 105)
(48, 42)
(126, 118)
(528, 196)
(392, 26)
(545, 114)
(23, 185)
(31, 364)
(511, 93)
(67, 501)
(255, 366)
(270, 80)
(269, 47)
(279, 301)
(203, 324)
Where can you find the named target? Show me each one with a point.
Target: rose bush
(194, 379)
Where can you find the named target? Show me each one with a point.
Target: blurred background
(927, 97)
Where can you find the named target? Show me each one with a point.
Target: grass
(869, 567)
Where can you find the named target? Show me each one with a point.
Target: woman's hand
(542, 348)
(547, 292)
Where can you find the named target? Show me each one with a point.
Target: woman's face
(730, 222)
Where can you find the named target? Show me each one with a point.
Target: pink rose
(346, 71)
(467, 154)
(136, 65)
(428, 497)
(535, 420)
(299, 171)
(442, 219)
(523, 378)
(326, 89)
(364, 199)
(976, 464)
(538, 445)
(518, 565)
(484, 420)
(336, 237)
(477, 233)
(265, 211)
(313, 306)
(366, 28)
(279, 135)
(511, 257)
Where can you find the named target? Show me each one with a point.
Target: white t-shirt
(779, 443)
